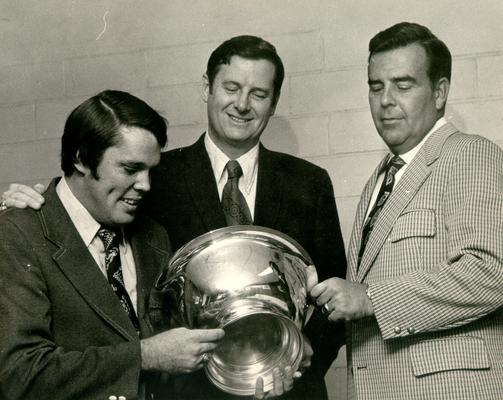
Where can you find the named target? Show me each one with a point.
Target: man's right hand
(179, 350)
(22, 196)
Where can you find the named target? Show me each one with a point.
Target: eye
(260, 95)
(404, 86)
(375, 88)
(129, 170)
(231, 89)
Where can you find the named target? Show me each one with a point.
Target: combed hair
(94, 126)
(249, 47)
(406, 33)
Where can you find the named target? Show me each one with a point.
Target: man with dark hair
(241, 88)
(425, 264)
(76, 275)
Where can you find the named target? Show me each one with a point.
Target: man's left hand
(342, 300)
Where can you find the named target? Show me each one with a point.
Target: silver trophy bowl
(252, 282)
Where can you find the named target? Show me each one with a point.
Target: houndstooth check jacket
(434, 266)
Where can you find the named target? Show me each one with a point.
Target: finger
(259, 389)
(336, 315)
(312, 277)
(318, 289)
(208, 347)
(288, 379)
(277, 378)
(25, 190)
(39, 187)
(20, 199)
(208, 335)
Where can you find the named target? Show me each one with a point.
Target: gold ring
(325, 309)
(3, 205)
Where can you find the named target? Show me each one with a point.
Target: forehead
(259, 73)
(134, 144)
(404, 61)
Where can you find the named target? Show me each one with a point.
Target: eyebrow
(133, 164)
(398, 79)
(231, 82)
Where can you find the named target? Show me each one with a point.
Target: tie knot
(395, 164)
(108, 236)
(233, 169)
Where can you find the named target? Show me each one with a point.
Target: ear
(441, 92)
(205, 89)
(79, 166)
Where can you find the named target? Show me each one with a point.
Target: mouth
(390, 122)
(239, 120)
(131, 202)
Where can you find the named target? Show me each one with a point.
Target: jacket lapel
(361, 211)
(412, 180)
(270, 183)
(149, 259)
(79, 267)
(198, 175)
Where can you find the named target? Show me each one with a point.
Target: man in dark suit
(424, 292)
(76, 275)
(241, 88)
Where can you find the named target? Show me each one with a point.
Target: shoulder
(23, 218)
(292, 167)
(150, 231)
(463, 144)
(181, 153)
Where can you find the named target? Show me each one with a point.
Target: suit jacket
(434, 265)
(63, 332)
(293, 196)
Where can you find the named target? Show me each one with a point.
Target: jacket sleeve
(330, 260)
(466, 285)
(32, 365)
(329, 254)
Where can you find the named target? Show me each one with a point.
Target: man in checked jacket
(424, 292)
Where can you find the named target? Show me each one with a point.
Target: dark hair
(95, 124)
(250, 47)
(406, 33)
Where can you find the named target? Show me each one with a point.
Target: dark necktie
(110, 239)
(384, 192)
(233, 202)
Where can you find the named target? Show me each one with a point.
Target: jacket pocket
(459, 353)
(420, 222)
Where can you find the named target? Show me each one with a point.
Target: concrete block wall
(55, 54)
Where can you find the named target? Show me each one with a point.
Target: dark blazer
(293, 196)
(63, 332)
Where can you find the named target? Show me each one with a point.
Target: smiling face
(123, 177)
(404, 103)
(239, 104)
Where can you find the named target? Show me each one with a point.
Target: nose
(142, 182)
(387, 97)
(242, 102)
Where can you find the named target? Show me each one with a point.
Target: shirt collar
(409, 156)
(85, 224)
(219, 159)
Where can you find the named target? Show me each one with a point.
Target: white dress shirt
(249, 165)
(88, 227)
(407, 157)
